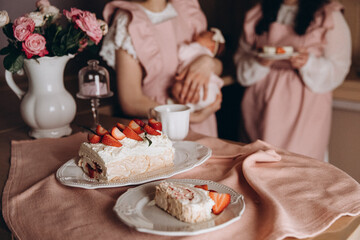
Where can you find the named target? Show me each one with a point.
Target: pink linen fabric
(280, 109)
(285, 194)
(156, 46)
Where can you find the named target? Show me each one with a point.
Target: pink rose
(73, 14)
(42, 3)
(35, 44)
(89, 24)
(23, 20)
(23, 27)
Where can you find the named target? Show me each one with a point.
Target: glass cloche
(94, 81)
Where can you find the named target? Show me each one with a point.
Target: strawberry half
(280, 50)
(139, 122)
(117, 134)
(93, 138)
(110, 141)
(136, 127)
(100, 130)
(131, 134)
(205, 187)
(121, 126)
(155, 124)
(222, 200)
(150, 130)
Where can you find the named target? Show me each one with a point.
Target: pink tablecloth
(285, 194)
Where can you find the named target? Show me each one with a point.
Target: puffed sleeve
(117, 37)
(248, 69)
(192, 13)
(325, 73)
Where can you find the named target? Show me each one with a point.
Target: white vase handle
(14, 87)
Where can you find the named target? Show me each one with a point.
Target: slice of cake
(270, 50)
(125, 152)
(184, 201)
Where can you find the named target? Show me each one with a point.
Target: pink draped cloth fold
(285, 194)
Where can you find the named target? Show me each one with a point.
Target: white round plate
(137, 209)
(187, 156)
(282, 56)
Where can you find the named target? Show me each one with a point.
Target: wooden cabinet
(344, 148)
(352, 15)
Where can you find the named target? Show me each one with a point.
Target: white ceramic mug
(174, 118)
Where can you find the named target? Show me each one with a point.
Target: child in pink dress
(288, 103)
(209, 43)
(142, 45)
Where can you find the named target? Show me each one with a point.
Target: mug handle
(14, 87)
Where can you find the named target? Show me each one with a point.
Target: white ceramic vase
(47, 107)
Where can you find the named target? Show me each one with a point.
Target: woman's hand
(176, 89)
(299, 60)
(195, 77)
(204, 113)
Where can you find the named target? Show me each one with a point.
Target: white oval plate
(136, 208)
(187, 156)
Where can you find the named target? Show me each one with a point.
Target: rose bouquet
(41, 33)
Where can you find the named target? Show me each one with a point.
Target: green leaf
(6, 50)
(53, 35)
(8, 31)
(150, 142)
(14, 61)
(38, 30)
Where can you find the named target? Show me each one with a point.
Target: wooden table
(345, 228)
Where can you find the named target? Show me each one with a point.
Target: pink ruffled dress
(280, 108)
(156, 46)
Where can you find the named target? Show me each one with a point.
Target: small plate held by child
(276, 53)
(279, 56)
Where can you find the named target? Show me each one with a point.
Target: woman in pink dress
(142, 45)
(288, 102)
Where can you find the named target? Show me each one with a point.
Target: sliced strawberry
(131, 134)
(205, 187)
(93, 138)
(100, 130)
(139, 122)
(117, 134)
(121, 126)
(222, 200)
(110, 141)
(155, 124)
(150, 130)
(280, 50)
(136, 127)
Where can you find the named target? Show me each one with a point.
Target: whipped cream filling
(186, 193)
(184, 201)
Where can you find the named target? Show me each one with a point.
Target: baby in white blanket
(210, 43)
